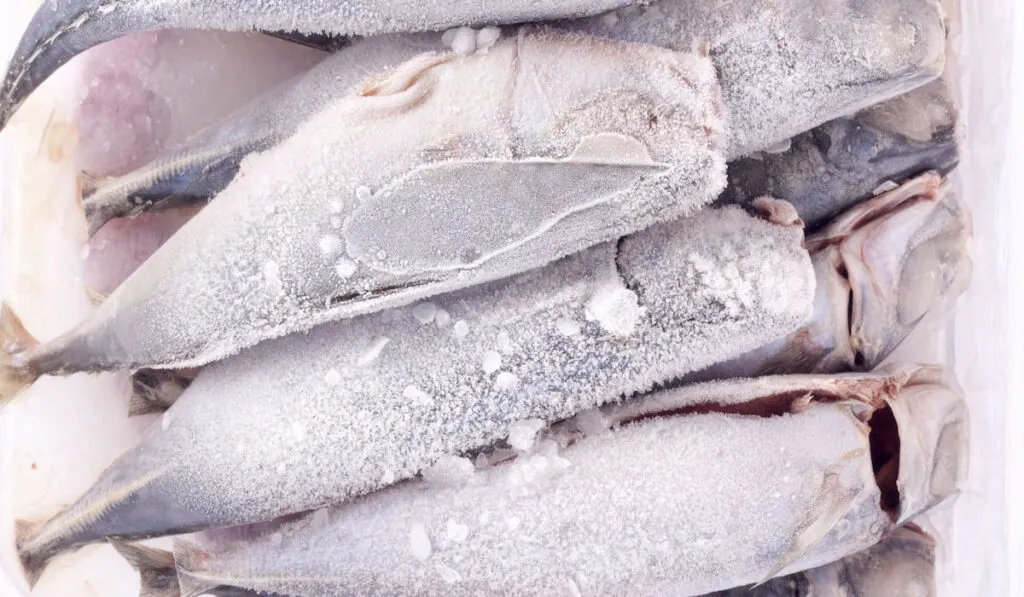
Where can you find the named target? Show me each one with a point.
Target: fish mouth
(903, 253)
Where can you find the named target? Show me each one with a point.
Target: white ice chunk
(491, 361)
(332, 377)
(419, 542)
(457, 531)
(425, 312)
(615, 308)
(450, 471)
(523, 434)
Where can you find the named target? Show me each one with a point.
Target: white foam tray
(55, 442)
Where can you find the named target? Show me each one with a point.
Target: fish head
(919, 444)
(901, 565)
(902, 253)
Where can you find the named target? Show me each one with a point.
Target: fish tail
(32, 562)
(15, 372)
(158, 576)
(190, 558)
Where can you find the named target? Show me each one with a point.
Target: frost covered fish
(451, 151)
(61, 30)
(772, 91)
(387, 394)
(205, 164)
(678, 497)
(847, 160)
(880, 266)
(789, 65)
(901, 565)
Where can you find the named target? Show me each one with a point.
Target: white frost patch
(363, 193)
(419, 542)
(506, 381)
(272, 275)
(523, 434)
(332, 377)
(165, 421)
(373, 351)
(449, 471)
(568, 327)
(447, 574)
(513, 522)
(345, 268)
(615, 308)
(425, 312)
(443, 318)
(418, 396)
(330, 245)
(462, 41)
(460, 330)
(491, 361)
(457, 531)
(487, 37)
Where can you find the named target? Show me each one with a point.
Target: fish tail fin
(190, 558)
(15, 373)
(158, 576)
(32, 562)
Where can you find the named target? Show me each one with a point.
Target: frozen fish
(902, 565)
(689, 491)
(835, 166)
(787, 66)
(773, 91)
(313, 419)
(880, 267)
(205, 164)
(451, 151)
(59, 31)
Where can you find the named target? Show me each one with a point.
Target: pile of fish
(586, 297)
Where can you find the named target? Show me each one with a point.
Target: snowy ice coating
(489, 164)
(61, 30)
(787, 66)
(708, 288)
(666, 502)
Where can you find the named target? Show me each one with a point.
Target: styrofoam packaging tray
(59, 437)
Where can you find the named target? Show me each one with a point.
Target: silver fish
(678, 497)
(454, 152)
(901, 565)
(787, 66)
(829, 169)
(823, 72)
(312, 419)
(880, 266)
(60, 31)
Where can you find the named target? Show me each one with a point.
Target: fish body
(59, 32)
(206, 163)
(827, 170)
(788, 66)
(311, 419)
(678, 497)
(453, 152)
(880, 267)
(820, 73)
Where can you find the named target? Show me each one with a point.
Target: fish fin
(32, 564)
(154, 391)
(158, 576)
(325, 42)
(14, 341)
(190, 557)
(832, 504)
(89, 182)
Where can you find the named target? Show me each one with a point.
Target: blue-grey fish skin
(840, 163)
(59, 31)
(315, 418)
